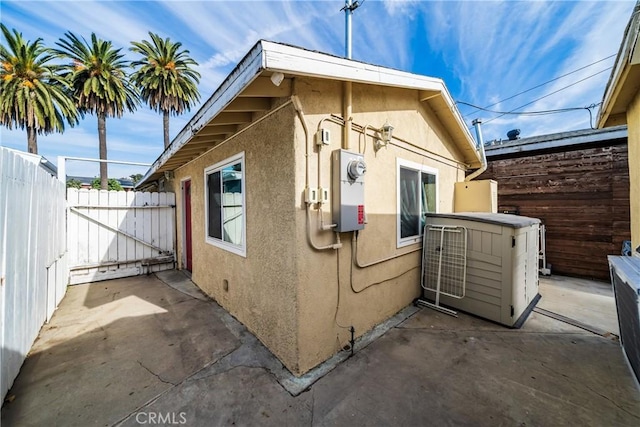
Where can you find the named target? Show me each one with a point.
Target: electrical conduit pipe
(298, 107)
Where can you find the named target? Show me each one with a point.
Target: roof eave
(276, 57)
(625, 76)
(244, 73)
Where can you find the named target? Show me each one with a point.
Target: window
(225, 205)
(417, 195)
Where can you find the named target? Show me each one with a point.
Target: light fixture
(386, 133)
(277, 78)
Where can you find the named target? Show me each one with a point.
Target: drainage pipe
(347, 111)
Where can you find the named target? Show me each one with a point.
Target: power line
(552, 93)
(537, 113)
(529, 113)
(541, 84)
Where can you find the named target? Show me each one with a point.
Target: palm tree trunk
(102, 141)
(165, 126)
(32, 140)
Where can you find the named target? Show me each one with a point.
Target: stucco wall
(261, 287)
(300, 302)
(633, 123)
(333, 293)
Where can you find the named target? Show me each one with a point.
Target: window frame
(238, 249)
(420, 168)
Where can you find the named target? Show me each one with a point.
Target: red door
(187, 224)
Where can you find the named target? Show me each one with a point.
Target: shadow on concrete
(139, 352)
(110, 348)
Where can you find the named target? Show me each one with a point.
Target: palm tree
(99, 83)
(165, 78)
(33, 94)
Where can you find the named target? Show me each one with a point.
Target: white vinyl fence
(33, 270)
(114, 234)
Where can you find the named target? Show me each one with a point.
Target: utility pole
(349, 7)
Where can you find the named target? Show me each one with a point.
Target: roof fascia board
(289, 59)
(524, 147)
(628, 54)
(460, 121)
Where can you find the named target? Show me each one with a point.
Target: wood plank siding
(581, 194)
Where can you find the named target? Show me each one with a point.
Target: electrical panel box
(347, 201)
(476, 196)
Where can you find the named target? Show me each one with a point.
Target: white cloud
(596, 40)
(498, 49)
(485, 51)
(109, 20)
(400, 6)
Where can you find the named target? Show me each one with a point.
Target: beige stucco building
(621, 105)
(296, 245)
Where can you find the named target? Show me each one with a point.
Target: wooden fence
(582, 196)
(33, 270)
(114, 234)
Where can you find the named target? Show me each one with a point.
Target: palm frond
(33, 92)
(97, 73)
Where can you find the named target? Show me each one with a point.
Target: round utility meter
(356, 168)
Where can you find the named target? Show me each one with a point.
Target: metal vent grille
(628, 319)
(444, 263)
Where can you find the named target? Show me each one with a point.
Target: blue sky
(485, 51)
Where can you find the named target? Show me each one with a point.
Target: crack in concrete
(612, 401)
(250, 353)
(572, 380)
(231, 368)
(196, 377)
(313, 406)
(173, 385)
(154, 374)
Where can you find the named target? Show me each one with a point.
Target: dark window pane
(409, 203)
(215, 205)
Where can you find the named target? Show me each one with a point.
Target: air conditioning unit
(625, 275)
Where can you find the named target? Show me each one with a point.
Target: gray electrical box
(347, 201)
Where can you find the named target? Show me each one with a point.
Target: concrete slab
(111, 347)
(179, 281)
(424, 374)
(587, 301)
(107, 359)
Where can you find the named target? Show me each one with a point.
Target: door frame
(185, 241)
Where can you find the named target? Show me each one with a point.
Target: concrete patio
(146, 351)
